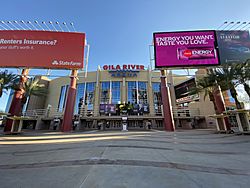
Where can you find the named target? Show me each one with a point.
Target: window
(116, 93)
(105, 93)
(157, 96)
(62, 99)
(137, 92)
(79, 97)
(132, 92)
(89, 96)
(142, 93)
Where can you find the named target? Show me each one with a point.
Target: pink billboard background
(185, 49)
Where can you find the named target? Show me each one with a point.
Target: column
(70, 103)
(167, 113)
(220, 105)
(150, 94)
(16, 104)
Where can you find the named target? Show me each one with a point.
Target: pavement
(187, 158)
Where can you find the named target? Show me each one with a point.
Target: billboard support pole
(167, 114)
(16, 104)
(70, 103)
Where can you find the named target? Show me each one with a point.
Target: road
(190, 158)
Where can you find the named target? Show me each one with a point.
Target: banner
(41, 49)
(234, 46)
(185, 49)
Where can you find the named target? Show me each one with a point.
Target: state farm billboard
(41, 49)
(185, 49)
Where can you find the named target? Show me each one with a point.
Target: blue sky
(119, 31)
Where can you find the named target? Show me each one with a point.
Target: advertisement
(107, 108)
(185, 49)
(41, 49)
(234, 46)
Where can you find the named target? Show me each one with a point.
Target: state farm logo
(66, 63)
(55, 62)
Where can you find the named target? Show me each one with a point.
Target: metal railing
(185, 112)
(44, 113)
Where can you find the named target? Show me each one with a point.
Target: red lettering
(105, 67)
(118, 67)
(137, 67)
(142, 67)
(132, 66)
(124, 67)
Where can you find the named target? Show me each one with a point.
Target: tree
(6, 81)
(242, 74)
(226, 78)
(31, 87)
(209, 86)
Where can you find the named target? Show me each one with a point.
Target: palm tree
(226, 78)
(242, 74)
(33, 88)
(6, 81)
(209, 86)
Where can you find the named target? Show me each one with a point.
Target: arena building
(120, 93)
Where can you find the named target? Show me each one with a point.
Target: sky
(120, 31)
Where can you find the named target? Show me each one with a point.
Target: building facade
(114, 92)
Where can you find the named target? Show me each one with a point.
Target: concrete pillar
(167, 111)
(70, 103)
(16, 104)
(220, 105)
(123, 89)
(150, 95)
(171, 88)
(97, 94)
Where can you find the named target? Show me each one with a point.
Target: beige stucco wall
(102, 76)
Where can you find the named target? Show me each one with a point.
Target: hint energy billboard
(234, 46)
(185, 49)
(41, 49)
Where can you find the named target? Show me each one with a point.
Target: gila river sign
(41, 49)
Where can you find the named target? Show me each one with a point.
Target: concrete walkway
(194, 158)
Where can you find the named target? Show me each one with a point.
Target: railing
(178, 112)
(185, 112)
(45, 113)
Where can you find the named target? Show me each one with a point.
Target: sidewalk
(194, 158)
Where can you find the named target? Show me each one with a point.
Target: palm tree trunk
(247, 89)
(234, 95)
(211, 98)
(1, 92)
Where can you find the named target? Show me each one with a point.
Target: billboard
(234, 46)
(185, 49)
(182, 91)
(41, 49)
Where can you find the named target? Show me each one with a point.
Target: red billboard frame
(41, 49)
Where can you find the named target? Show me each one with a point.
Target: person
(76, 122)
(56, 123)
(149, 125)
